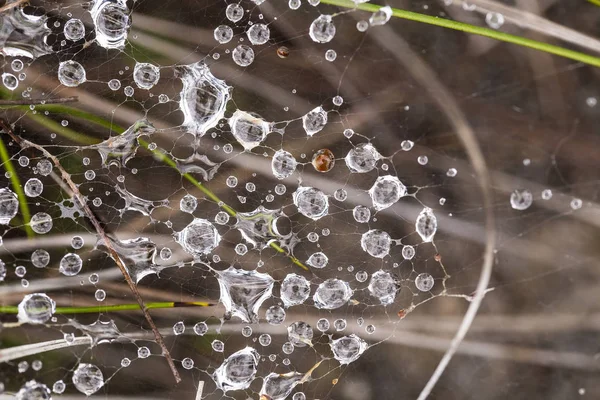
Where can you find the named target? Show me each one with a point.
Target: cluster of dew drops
(203, 102)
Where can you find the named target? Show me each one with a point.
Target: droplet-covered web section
(216, 169)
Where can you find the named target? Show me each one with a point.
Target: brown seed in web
(402, 314)
(323, 160)
(334, 381)
(283, 52)
(438, 257)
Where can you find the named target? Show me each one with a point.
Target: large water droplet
(9, 206)
(300, 334)
(24, 35)
(71, 73)
(348, 348)
(362, 158)
(322, 29)
(122, 148)
(146, 75)
(41, 223)
(33, 390)
(295, 289)
(203, 98)
(9, 81)
(311, 202)
(279, 386)
(243, 292)
(383, 287)
(283, 164)
(243, 55)
(111, 22)
(332, 294)
(258, 34)
(426, 224)
(381, 16)
(36, 308)
(248, 129)
(386, 191)
(237, 371)
(70, 264)
(314, 121)
(376, 242)
(200, 237)
(88, 379)
(74, 29)
(234, 12)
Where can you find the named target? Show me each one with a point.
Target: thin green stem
(595, 2)
(477, 30)
(16, 184)
(113, 308)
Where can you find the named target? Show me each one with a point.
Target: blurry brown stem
(27, 102)
(88, 212)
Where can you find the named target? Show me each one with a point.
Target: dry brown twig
(101, 232)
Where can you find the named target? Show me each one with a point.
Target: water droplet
(283, 164)
(300, 334)
(71, 73)
(408, 252)
(200, 237)
(362, 158)
(40, 258)
(59, 387)
(146, 75)
(36, 308)
(494, 20)
(243, 55)
(243, 292)
(33, 390)
(330, 55)
(426, 224)
(275, 315)
(44, 167)
(100, 295)
(200, 328)
(234, 12)
(16, 65)
(381, 16)
(376, 243)
(322, 29)
(279, 386)
(114, 84)
(111, 22)
(424, 282)
(295, 289)
(348, 348)
(383, 287)
(314, 121)
(386, 191)
(203, 98)
(546, 194)
(340, 324)
(187, 363)
(188, 203)
(125, 362)
(332, 294)
(223, 34)
(264, 339)
(311, 202)
(317, 260)
(143, 352)
(74, 29)
(521, 199)
(9, 81)
(88, 379)
(361, 214)
(237, 371)
(362, 26)
(70, 264)
(258, 34)
(41, 223)
(576, 204)
(248, 129)
(361, 276)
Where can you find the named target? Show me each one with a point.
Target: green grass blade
(113, 308)
(477, 30)
(16, 184)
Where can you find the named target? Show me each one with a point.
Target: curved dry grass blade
(13, 353)
(386, 38)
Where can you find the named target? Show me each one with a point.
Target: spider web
(198, 213)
